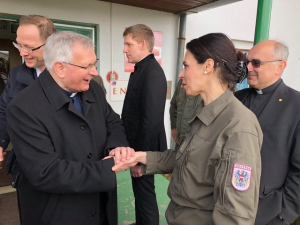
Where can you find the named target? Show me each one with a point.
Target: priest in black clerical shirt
(277, 108)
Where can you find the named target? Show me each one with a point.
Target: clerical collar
(268, 89)
(142, 61)
(70, 94)
(259, 92)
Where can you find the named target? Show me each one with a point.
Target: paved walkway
(126, 199)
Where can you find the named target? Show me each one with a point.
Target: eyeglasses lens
(28, 50)
(255, 63)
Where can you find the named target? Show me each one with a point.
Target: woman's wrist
(141, 157)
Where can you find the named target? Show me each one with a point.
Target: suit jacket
(2, 85)
(59, 152)
(280, 154)
(144, 105)
(19, 78)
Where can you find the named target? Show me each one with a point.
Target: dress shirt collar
(70, 94)
(38, 72)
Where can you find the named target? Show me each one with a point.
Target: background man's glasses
(256, 62)
(85, 67)
(26, 49)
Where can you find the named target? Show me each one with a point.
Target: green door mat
(126, 198)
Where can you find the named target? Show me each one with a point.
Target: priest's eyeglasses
(257, 62)
(85, 67)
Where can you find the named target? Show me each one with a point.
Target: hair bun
(242, 71)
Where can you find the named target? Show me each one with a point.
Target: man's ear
(145, 45)
(280, 67)
(59, 69)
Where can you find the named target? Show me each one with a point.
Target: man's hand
(136, 171)
(123, 165)
(122, 154)
(174, 134)
(138, 157)
(2, 154)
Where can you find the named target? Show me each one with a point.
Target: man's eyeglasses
(27, 49)
(256, 62)
(85, 67)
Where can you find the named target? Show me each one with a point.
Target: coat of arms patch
(241, 177)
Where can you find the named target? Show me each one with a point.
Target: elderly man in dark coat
(61, 127)
(277, 107)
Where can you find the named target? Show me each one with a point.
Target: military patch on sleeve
(241, 177)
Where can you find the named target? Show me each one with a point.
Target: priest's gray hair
(281, 51)
(59, 47)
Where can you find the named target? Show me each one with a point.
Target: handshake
(126, 157)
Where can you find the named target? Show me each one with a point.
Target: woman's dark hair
(219, 48)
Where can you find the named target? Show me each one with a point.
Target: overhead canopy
(174, 6)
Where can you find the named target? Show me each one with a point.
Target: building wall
(238, 20)
(285, 19)
(112, 20)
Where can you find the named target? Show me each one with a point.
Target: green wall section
(263, 18)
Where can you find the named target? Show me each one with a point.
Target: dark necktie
(77, 103)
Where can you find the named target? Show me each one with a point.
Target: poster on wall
(129, 67)
(118, 90)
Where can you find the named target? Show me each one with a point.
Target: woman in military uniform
(216, 171)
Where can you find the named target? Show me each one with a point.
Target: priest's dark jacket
(59, 153)
(280, 154)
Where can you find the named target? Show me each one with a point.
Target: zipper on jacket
(183, 164)
(223, 181)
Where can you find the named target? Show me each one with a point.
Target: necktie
(76, 102)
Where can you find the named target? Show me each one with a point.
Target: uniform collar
(209, 112)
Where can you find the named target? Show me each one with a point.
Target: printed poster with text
(129, 67)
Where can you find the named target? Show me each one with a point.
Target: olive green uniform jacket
(205, 187)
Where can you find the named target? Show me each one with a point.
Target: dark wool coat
(59, 152)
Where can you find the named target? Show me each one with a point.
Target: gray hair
(59, 47)
(281, 51)
(141, 32)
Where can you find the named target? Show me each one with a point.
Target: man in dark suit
(2, 85)
(143, 115)
(60, 127)
(277, 108)
(32, 34)
(2, 73)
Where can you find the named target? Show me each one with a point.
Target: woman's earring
(205, 72)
